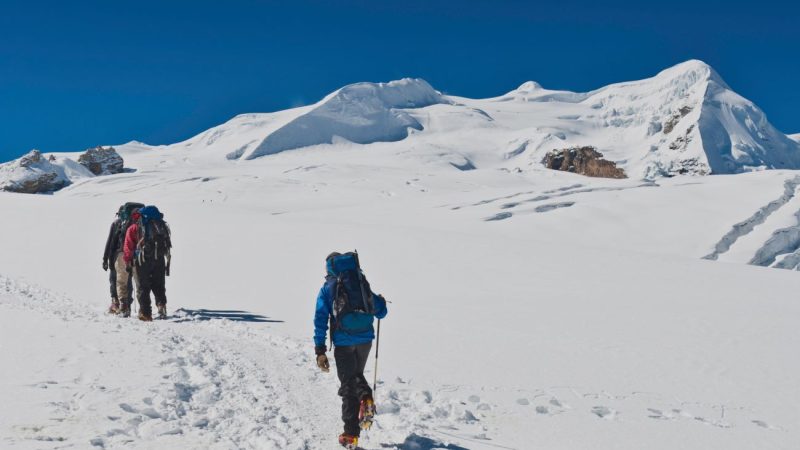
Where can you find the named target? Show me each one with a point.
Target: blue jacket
(323, 314)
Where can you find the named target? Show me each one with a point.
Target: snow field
(603, 328)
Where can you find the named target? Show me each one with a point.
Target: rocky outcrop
(582, 160)
(102, 161)
(676, 117)
(31, 174)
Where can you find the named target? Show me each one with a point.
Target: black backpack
(155, 240)
(353, 307)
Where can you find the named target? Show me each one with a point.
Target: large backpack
(353, 307)
(124, 215)
(155, 240)
(126, 210)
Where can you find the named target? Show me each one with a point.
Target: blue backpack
(353, 307)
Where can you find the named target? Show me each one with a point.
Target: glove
(128, 268)
(322, 363)
(166, 271)
(105, 265)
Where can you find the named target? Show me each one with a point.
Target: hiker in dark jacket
(351, 347)
(113, 251)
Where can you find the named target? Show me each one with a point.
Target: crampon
(366, 413)
(348, 442)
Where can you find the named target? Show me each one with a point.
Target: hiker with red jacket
(147, 252)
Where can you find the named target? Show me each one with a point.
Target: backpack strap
(330, 279)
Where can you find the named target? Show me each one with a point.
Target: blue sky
(75, 74)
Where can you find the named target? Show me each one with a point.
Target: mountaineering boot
(145, 316)
(162, 311)
(366, 413)
(125, 310)
(348, 442)
(114, 308)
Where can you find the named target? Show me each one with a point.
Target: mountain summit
(683, 121)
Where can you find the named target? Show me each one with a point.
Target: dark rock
(582, 160)
(102, 161)
(669, 125)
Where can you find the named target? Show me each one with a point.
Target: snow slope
(796, 137)
(583, 318)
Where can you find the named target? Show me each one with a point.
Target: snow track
(221, 384)
(199, 383)
(206, 391)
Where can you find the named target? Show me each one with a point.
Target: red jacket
(131, 240)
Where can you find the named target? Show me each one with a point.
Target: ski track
(223, 385)
(572, 191)
(544, 196)
(743, 228)
(506, 197)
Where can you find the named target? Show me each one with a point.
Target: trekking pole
(377, 347)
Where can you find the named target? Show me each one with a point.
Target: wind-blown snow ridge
(362, 113)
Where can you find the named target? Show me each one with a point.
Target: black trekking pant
(150, 276)
(350, 363)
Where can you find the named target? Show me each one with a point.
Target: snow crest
(362, 113)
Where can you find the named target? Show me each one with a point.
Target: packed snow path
(185, 382)
(84, 379)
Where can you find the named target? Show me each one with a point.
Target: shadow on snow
(191, 315)
(417, 442)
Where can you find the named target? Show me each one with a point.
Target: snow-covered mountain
(685, 120)
(796, 137)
